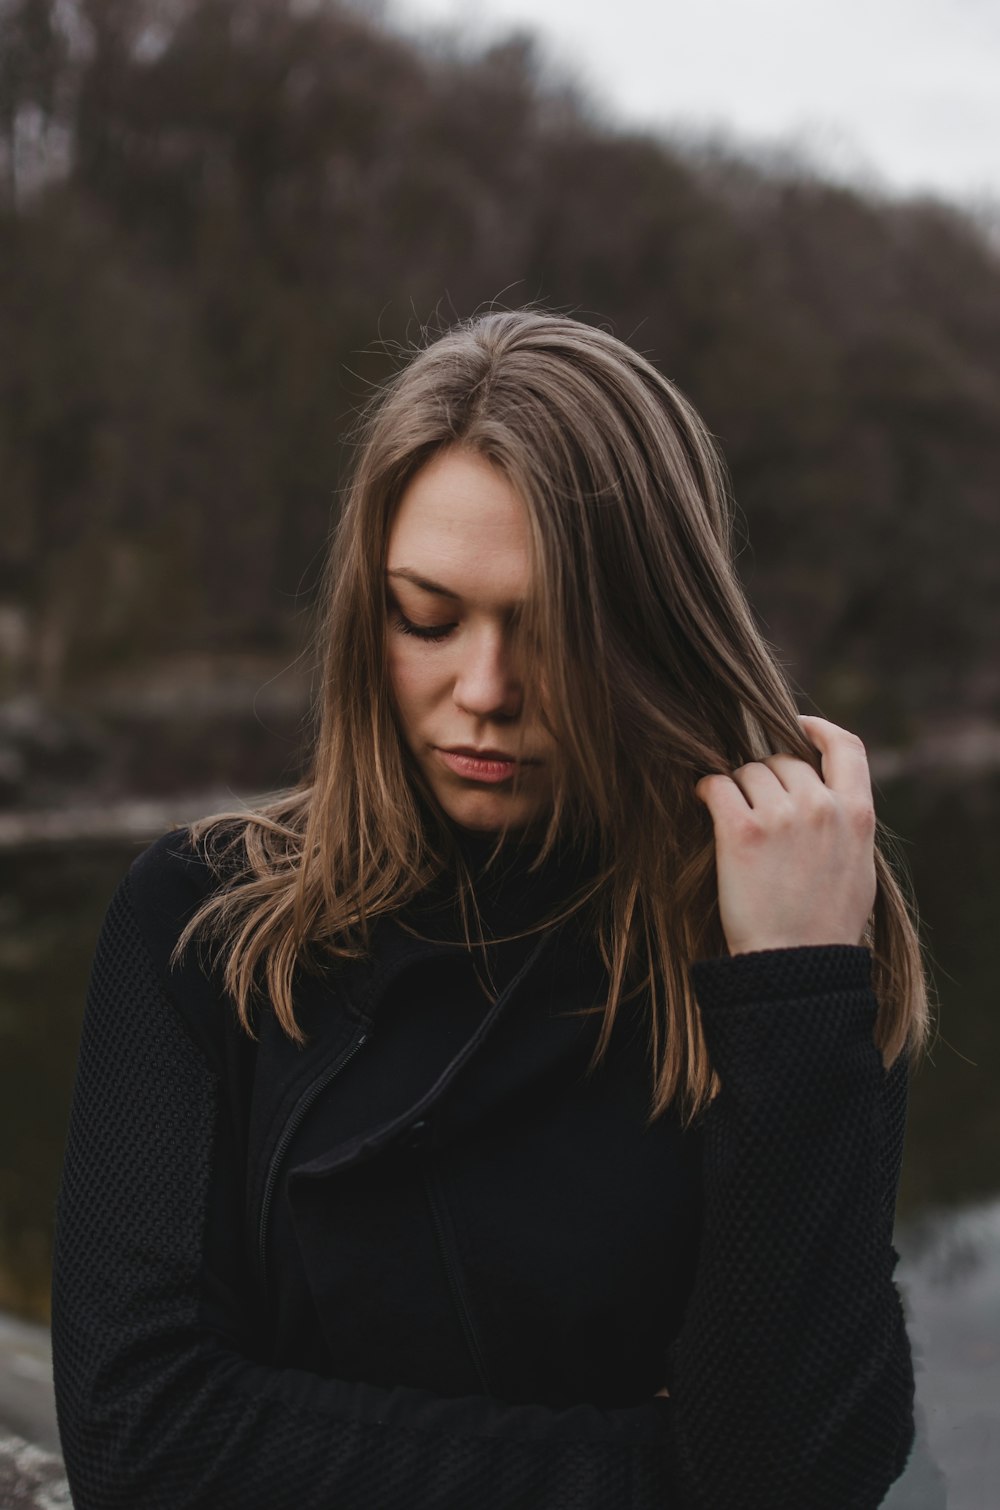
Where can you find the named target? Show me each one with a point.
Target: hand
(794, 850)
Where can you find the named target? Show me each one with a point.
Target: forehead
(461, 523)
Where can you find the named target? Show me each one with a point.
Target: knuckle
(748, 830)
(783, 816)
(862, 818)
(820, 806)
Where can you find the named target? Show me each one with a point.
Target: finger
(722, 797)
(844, 759)
(758, 783)
(797, 776)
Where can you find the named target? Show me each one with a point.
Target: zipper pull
(417, 1136)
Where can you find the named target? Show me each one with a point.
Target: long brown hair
(655, 674)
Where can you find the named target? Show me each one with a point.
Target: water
(950, 1276)
(52, 899)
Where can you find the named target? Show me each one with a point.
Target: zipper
(441, 1219)
(288, 1132)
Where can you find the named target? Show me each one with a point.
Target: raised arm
(794, 1336)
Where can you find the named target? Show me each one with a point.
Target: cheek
(417, 683)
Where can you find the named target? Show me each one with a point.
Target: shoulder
(163, 888)
(167, 883)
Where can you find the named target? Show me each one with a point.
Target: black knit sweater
(763, 1266)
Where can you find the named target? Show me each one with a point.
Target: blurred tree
(33, 54)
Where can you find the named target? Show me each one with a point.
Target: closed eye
(432, 632)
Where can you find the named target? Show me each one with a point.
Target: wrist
(830, 939)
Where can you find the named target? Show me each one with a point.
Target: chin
(484, 822)
(485, 812)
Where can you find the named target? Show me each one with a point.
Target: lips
(472, 752)
(480, 765)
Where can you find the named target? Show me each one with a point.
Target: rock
(30, 1477)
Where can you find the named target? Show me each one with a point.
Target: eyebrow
(425, 583)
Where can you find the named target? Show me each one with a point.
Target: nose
(488, 683)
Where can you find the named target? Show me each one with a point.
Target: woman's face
(457, 573)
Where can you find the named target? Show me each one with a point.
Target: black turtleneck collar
(509, 892)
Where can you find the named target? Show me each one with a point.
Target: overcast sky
(905, 93)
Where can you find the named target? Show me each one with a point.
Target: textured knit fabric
(790, 1375)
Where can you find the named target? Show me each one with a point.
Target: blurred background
(221, 221)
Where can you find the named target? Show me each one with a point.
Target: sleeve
(791, 1378)
(160, 1401)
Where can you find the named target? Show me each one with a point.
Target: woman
(510, 1114)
